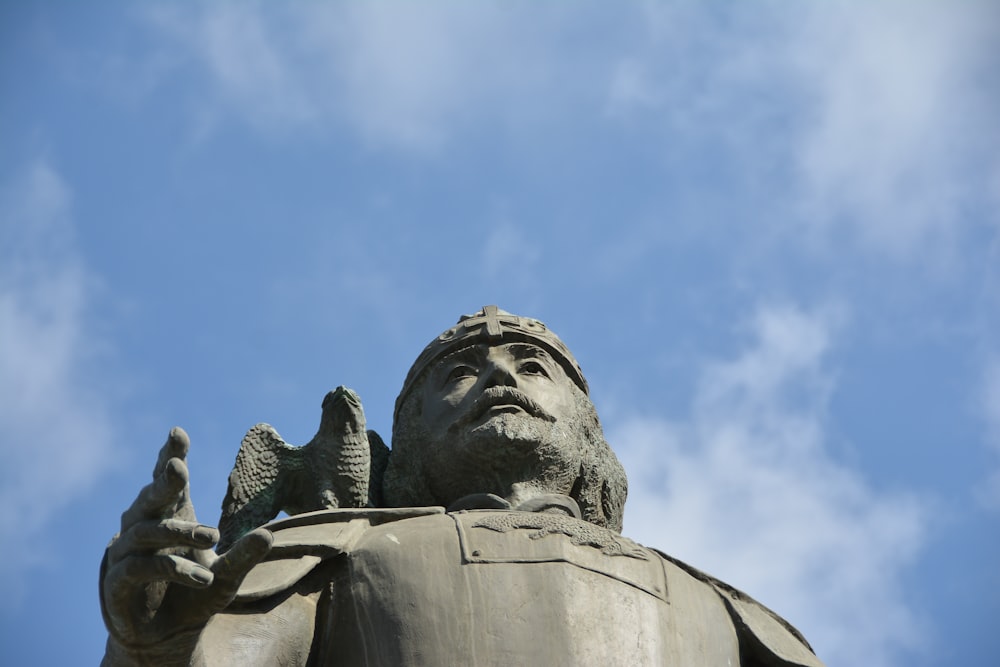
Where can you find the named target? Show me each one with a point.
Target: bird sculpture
(340, 467)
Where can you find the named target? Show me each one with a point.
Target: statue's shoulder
(303, 541)
(764, 635)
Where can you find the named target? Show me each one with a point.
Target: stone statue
(493, 538)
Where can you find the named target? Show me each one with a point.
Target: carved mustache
(502, 395)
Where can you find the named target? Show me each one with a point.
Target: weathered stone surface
(526, 566)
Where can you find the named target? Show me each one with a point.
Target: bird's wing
(380, 459)
(254, 494)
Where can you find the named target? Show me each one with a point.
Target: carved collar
(546, 502)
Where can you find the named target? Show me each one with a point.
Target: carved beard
(490, 455)
(416, 462)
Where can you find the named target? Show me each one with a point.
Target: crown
(495, 326)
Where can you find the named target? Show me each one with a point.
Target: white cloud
(57, 430)
(989, 489)
(410, 74)
(631, 88)
(252, 72)
(900, 117)
(402, 75)
(509, 255)
(878, 118)
(882, 112)
(746, 489)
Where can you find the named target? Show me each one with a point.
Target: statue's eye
(461, 371)
(533, 368)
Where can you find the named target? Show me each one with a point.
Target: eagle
(340, 467)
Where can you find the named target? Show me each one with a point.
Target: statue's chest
(505, 588)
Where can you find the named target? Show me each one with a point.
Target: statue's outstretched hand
(160, 579)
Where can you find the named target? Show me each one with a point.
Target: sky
(769, 232)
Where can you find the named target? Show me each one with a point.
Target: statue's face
(490, 417)
(483, 387)
(502, 419)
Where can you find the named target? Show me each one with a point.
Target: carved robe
(421, 587)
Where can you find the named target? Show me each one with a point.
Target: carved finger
(152, 535)
(176, 447)
(232, 567)
(159, 496)
(126, 577)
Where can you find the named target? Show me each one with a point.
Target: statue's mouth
(499, 400)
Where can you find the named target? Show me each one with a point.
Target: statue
(490, 537)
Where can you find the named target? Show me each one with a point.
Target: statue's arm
(161, 582)
(766, 639)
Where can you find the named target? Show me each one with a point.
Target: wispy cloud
(57, 432)
(251, 72)
(410, 75)
(989, 489)
(510, 255)
(903, 132)
(879, 117)
(403, 76)
(747, 489)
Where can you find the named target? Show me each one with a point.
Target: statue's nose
(500, 374)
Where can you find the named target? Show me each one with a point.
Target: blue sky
(768, 231)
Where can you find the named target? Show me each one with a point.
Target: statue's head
(497, 403)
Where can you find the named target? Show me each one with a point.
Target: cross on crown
(494, 318)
